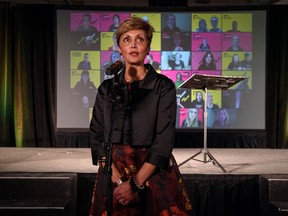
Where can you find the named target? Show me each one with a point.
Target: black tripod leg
(215, 161)
(190, 158)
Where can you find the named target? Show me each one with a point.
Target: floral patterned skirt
(163, 195)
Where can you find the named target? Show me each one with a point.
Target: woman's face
(85, 77)
(178, 76)
(177, 56)
(208, 58)
(202, 24)
(236, 58)
(171, 20)
(177, 41)
(222, 116)
(199, 96)
(134, 47)
(209, 98)
(116, 20)
(192, 113)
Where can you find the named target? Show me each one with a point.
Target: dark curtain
(27, 75)
(28, 99)
(277, 78)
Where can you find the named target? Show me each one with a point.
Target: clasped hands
(124, 194)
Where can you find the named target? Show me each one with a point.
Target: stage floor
(78, 160)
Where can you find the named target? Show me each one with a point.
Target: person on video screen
(234, 27)
(198, 102)
(212, 109)
(86, 25)
(204, 46)
(191, 120)
(115, 55)
(207, 62)
(85, 64)
(235, 44)
(177, 63)
(238, 101)
(114, 46)
(202, 26)
(171, 26)
(85, 90)
(156, 65)
(116, 21)
(235, 63)
(134, 115)
(177, 42)
(246, 63)
(210, 104)
(179, 80)
(223, 119)
(214, 23)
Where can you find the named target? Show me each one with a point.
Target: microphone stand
(108, 165)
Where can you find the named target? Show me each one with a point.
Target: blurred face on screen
(86, 57)
(192, 113)
(209, 98)
(222, 116)
(116, 20)
(85, 77)
(236, 58)
(202, 25)
(134, 46)
(177, 56)
(208, 58)
(177, 40)
(86, 21)
(235, 41)
(205, 41)
(171, 21)
(214, 22)
(199, 96)
(234, 26)
(178, 76)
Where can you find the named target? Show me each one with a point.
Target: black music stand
(205, 82)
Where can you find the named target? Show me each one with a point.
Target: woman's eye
(126, 40)
(139, 40)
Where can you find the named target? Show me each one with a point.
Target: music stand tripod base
(205, 154)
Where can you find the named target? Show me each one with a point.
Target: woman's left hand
(124, 194)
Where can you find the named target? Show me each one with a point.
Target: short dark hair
(134, 23)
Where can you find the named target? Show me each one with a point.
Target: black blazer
(152, 111)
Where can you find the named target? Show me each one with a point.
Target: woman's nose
(133, 44)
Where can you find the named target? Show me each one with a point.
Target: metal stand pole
(205, 150)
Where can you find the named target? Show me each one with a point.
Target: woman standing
(145, 174)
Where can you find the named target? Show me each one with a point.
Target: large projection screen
(234, 42)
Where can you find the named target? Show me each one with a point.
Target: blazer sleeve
(163, 144)
(97, 126)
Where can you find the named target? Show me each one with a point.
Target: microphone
(115, 68)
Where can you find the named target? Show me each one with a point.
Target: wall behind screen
(87, 52)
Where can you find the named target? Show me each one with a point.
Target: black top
(143, 116)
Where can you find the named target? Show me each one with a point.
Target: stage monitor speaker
(273, 191)
(31, 194)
